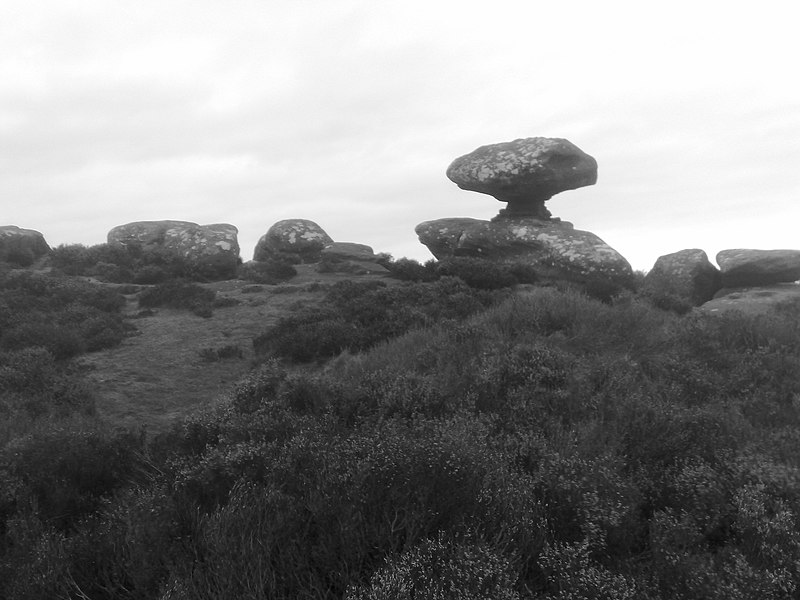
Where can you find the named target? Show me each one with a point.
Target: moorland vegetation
(462, 433)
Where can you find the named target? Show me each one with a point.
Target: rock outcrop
(687, 275)
(21, 247)
(212, 248)
(752, 268)
(301, 239)
(348, 257)
(525, 173)
(555, 249)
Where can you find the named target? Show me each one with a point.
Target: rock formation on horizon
(349, 257)
(214, 247)
(749, 268)
(686, 274)
(300, 238)
(21, 246)
(526, 173)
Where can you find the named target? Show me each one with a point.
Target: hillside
(460, 434)
(159, 375)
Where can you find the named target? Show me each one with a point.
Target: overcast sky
(348, 112)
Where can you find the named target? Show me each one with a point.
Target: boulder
(441, 236)
(212, 248)
(21, 247)
(751, 268)
(555, 249)
(348, 257)
(300, 238)
(754, 300)
(687, 275)
(525, 173)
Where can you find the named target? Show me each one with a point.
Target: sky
(348, 113)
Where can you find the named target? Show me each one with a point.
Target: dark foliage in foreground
(548, 446)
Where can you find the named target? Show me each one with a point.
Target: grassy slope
(157, 376)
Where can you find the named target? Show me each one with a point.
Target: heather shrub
(34, 384)
(64, 474)
(65, 317)
(117, 264)
(441, 568)
(407, 269)
(357, 316)
(485, 274)
(271, 271)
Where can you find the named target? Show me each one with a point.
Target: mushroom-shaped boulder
(525, 172)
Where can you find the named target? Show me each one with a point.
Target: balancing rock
(525, 172)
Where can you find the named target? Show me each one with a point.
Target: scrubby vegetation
(131, 264)
(428, 440)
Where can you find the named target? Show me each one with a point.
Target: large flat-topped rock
(213, 247)
(748, 268)
(555, 249)
(525, 172)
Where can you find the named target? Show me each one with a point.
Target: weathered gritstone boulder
(555, 249)
(525, 173)
(21, 247)
(750, 268)
(687, 274)
(213, 248)
(348, 257)
(301, 238)
(441, 236)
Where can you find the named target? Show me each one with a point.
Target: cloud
(348, 113)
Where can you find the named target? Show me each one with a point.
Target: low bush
(355, 316)
(65, 316)
(271, 271)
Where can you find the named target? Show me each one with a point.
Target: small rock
(349, 251)
(687, 274)
(751, 268)
(21, 247)
(347, 257)
(299, 237)
(525, 173)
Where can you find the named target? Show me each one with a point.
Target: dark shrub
(355, 316)
(64, 474)
(478, 272)
(440, 568)
(271, 271)
(407, 269)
